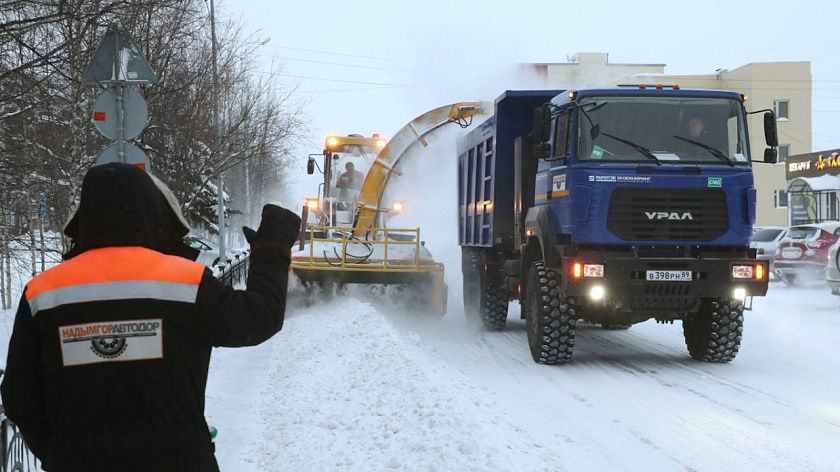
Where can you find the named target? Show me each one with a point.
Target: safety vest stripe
(124, 290)
(115, 264)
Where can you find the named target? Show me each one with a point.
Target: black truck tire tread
(552, 339)
(485, 300)
(494, 310)
(714, 333)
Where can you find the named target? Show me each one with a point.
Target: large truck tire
(713, 334)
(485, 299)
(549, 318)
(494, 303)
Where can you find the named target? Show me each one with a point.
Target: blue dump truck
(612, 206)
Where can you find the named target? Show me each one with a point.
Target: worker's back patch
(111, 341)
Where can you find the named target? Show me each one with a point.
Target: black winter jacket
(108, 360)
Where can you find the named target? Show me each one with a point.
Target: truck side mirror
(770, 155)
(541, 151)
(542, 124)
(771, 135)
(310, 166)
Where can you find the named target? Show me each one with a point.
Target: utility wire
(359, 89)
(336, 63)
(338, 54)
(331, 80)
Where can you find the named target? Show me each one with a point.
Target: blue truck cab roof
(563, 98)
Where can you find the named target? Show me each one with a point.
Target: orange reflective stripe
(116, 264)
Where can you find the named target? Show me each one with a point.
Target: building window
(781, 108)
(781, 198)
(784, 151)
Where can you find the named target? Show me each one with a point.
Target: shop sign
(814, 164)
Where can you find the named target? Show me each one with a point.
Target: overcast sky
(422, 54)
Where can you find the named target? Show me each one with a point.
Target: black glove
(278, 226)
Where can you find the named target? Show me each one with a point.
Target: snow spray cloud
(428, 187)
(455, 65)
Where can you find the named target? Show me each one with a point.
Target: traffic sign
(135, 113)
(133, 155)
(131, 68)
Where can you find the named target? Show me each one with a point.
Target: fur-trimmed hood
(121, 205)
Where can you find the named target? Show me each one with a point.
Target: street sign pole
(118, 92)
(218, 139)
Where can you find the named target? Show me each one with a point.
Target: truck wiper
(643, 150)
(714, 151)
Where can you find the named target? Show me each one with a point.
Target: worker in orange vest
(108, 360)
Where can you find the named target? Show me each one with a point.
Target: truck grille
(668, 214)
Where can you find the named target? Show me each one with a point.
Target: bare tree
(47, 142)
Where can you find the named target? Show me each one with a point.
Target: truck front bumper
(625, 285)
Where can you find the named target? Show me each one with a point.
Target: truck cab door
(551, 172)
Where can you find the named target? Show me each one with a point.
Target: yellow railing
(368, 263)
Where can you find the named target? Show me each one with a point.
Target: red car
(803, 253)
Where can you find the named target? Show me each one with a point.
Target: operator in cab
(350, 181)
(696, 127)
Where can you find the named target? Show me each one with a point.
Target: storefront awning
(816, 184)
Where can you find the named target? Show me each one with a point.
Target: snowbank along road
(350, 386)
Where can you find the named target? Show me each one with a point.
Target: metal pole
(118, 95)
(218, 137)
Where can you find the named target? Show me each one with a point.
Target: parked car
(832, 269)
(209, 255)
(765, 240)
(803, 253)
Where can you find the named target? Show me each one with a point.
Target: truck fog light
(597, 292)
(742, 272)
(739, 294)
(593, 270)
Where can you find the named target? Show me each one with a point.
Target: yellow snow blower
(344, 236)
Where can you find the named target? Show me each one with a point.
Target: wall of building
(592, 69)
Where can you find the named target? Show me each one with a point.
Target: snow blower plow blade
(389, 257)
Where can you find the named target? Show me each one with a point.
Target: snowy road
(348, 387)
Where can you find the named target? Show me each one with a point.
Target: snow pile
(350, 392)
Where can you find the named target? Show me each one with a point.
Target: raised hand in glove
(278, 227)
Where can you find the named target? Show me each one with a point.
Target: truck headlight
(593, 270)
(743, 271)
(739, 294)
(597, 292)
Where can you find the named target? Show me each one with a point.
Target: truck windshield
(673, 130)
(349, 165)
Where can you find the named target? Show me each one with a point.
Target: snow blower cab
(344, 163)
